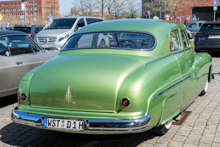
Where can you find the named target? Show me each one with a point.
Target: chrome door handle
(19, 62)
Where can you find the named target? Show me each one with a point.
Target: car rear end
(207, 38)
(26, 29)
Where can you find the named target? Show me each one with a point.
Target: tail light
(30, 35)
(125, 102)
(199, 34)
(197, 45)
(23, 96)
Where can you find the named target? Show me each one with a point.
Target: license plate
(214, 37)
(63, 124)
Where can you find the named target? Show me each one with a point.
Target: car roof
(212, 22)
(141, 25)
(70, 17)
(4, 33)
(159, 28)
(30, 26)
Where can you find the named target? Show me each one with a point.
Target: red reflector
(125, 102)
(197, 45)
(30, 35)
(199, 34)
(23, 97)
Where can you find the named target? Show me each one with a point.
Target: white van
(57, 31)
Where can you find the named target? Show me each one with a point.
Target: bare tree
(173, 6)
(113, 5)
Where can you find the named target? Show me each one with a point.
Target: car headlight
(61, 38)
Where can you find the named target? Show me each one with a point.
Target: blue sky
(65, 6)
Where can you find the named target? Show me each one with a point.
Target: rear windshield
(61, 23)
(23, 29)
(210, 27)
(111, 40)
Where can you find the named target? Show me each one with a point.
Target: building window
(35, 8)
(19, 14)
(31, 14)
(15, 14)
(3, 10)
(27, 9)
(19, 9)
(10, 9)
(31, 9)
(45, 14)
(6, 10)
(35, 14)
(11, 14)
(14, 9)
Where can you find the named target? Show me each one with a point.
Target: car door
(25, 54)
(7, 69)
(185, 57)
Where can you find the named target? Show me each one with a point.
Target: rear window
(23, 29)
(210, 27)
(111, 40)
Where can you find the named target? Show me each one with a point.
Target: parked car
(126, 86)
(58, 30)
(18, 55)
(31, 30)
(208, 37)
(189, 34)
(194, 27)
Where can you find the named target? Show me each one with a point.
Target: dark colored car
(31, 30)
(208, 37)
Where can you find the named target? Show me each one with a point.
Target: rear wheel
(205, 89)
(162, 129)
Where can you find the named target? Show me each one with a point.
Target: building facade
(37, 11)
(197, 9)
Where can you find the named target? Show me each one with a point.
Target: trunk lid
(85, 82)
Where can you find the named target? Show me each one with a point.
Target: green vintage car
(120, 76)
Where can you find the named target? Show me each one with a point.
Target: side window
(4, 47)
(200, 24)
(93, 20)
(18, 45)
(192, 25)
(37, 30)
(80, 24)
(174, 41)
(33, 45)
(185, 40)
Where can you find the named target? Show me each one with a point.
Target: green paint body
(98, 79)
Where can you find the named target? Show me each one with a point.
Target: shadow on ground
(20, 135)
(8, 100)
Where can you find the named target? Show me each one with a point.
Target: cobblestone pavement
(201, 128)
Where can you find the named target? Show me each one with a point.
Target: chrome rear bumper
(90, 125)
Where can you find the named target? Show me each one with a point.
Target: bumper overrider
(90, 125)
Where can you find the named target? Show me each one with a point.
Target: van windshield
(61, 23)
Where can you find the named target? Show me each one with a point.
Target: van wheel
(205, 89)
(162, 129)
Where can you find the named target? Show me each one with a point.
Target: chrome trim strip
(8, 92)
(182, 51)
(171, 87)
(157, 59)
(90, 125)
